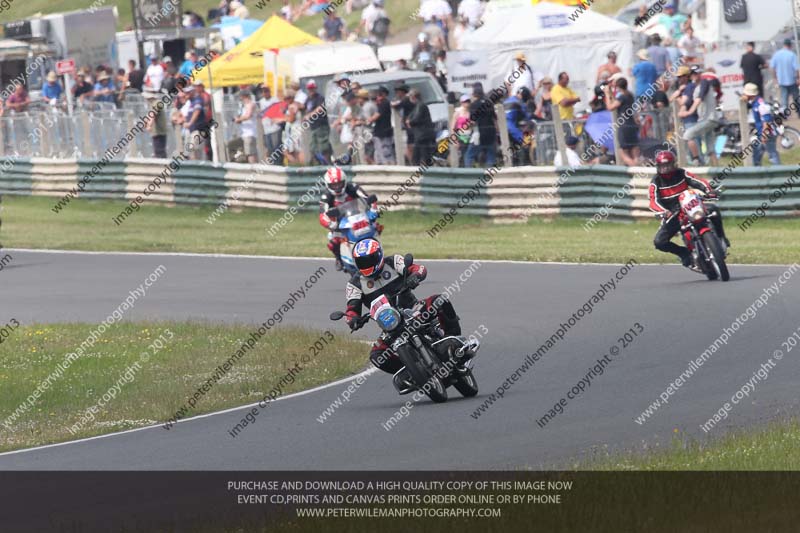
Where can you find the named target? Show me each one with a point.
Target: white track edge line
(366, 372)
(284, 257)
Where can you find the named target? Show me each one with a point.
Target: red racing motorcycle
(697, 229)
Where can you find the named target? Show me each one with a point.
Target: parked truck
(33, 45)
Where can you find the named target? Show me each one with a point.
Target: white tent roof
(329, 58)
(544, 25)
(554, 38)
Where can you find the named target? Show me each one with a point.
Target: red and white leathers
(362, 290)
(664, 190)
(329, 200)
(664, 193)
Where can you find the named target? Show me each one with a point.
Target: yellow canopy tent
(244, 64)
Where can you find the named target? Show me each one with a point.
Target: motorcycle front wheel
(467, 385)
(714, 248)
(423, 378)
(789, 140)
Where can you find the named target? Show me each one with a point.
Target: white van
(431, 92)
(738, 21)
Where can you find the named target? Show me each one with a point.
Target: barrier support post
(502, 125)
(680, 144)
(399, 138)
(744, 125)
(561, 142)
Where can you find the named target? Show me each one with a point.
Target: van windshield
(423, 85)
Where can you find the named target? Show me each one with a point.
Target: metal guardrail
(514, 193)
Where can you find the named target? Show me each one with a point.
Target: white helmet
(335, 180)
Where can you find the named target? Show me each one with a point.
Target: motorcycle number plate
(378, 305)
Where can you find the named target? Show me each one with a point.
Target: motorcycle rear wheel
(717, 257)
(423, 378)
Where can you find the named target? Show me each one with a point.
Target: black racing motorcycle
(432, 362)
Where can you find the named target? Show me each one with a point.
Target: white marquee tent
(554, 38)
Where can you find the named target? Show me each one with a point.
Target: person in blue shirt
(52, 90)
(515, 113)
(645, 73)
(784, 65)
(188, 66)
(104, 89)
(765, 127)
(659, 55)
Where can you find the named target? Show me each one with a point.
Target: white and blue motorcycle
(355, 221)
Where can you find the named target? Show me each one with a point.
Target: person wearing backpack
(375, 21)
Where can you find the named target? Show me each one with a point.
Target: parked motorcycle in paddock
(697, 229)
(729, 135)
(354, 222)
(432, 361)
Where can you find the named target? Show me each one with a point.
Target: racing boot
(688, 262)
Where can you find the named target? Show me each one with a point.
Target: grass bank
(28, 222)
(151, 370)
(774, 447)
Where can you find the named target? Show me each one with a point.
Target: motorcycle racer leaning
(669, 182)
(339, 191)
(378, 276)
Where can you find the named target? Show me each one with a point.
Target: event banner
(731, 77)
(465, 67)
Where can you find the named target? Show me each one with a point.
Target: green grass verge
(775, 447)
(399, 12)
(87, 225)
(150, 391)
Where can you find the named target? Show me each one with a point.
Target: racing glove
(373, 215)
(351, 317)
(417, 270)
(416, 275)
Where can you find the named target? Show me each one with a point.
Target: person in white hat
(644, 72)
(52, 90)
(317, 117)
(522, 75)
(104, 90)
(766, 128)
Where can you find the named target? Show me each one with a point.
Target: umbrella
(275, 111)
(598, 126)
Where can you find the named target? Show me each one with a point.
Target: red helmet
(665, 163)
(335, 180)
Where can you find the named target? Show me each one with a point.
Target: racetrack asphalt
(520, 304)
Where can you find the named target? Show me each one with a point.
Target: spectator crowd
(669, 75)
